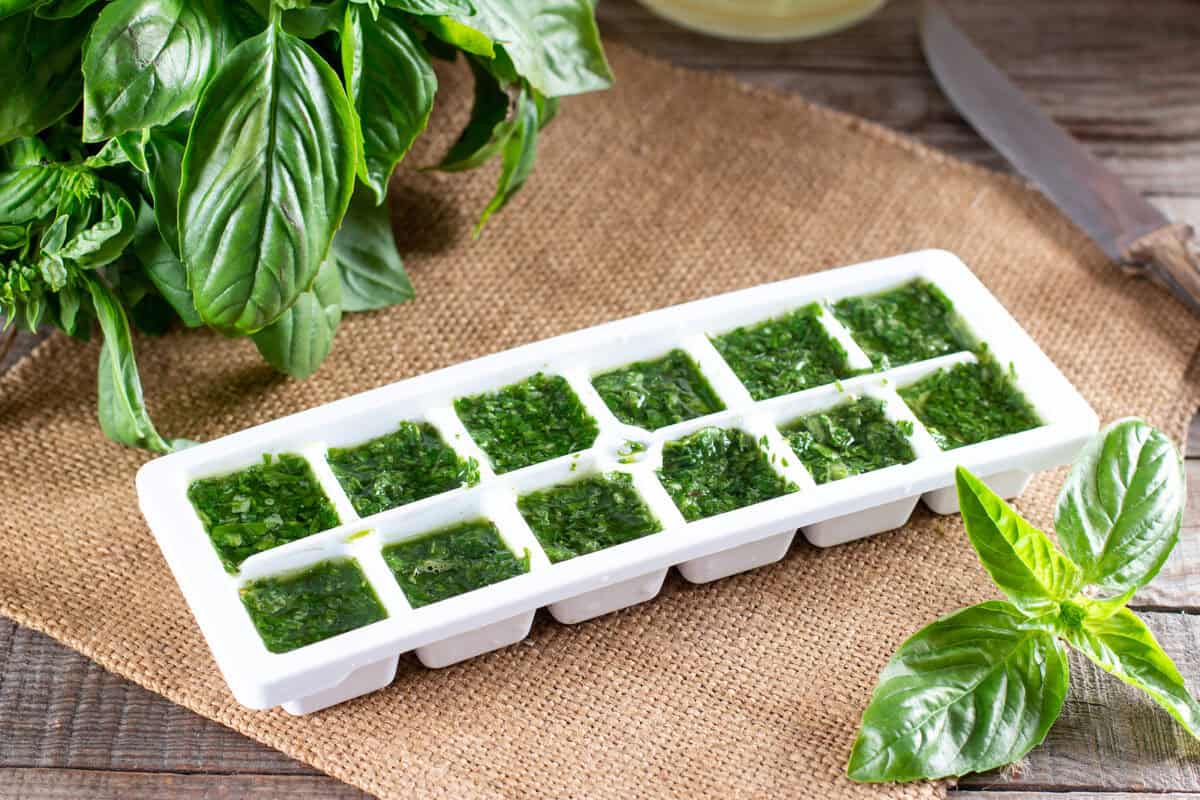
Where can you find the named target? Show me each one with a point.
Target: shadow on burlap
(674, 186)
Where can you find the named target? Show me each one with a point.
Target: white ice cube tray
(363, 660)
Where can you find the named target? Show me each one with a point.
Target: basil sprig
(980, 688)
(226, 162)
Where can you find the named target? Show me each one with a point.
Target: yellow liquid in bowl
(765, 20)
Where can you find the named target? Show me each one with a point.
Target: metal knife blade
(1125, 225)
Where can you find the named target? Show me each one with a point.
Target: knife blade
(1124, 224)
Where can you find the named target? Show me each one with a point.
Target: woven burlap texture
(672, 187)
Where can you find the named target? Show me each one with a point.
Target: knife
(1125, 225)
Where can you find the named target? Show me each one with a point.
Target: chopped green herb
(913, 322)
(784, 355)
(851, 439)
(324, 600)
(401, 467)
(970, 403)
(717, 470)
(260, 507)
(630, 451)
(654, 394)
(587, 515)
(449, 562)
(526, 423)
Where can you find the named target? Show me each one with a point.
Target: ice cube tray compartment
(442, 633)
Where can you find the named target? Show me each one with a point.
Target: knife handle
(1170, 255)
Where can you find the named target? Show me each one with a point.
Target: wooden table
(1124, 77)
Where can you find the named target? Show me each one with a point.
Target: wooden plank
(61, 784)
(59, 709)
(1110, 737)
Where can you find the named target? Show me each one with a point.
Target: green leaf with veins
(299, 341)
(39, 72)
(519, 155)
(1123, 646)
(1119, 512)
(122, 411)
(391, 86)
(365, 251)
(975, 690)
(104, 241)
(164, 154)
(484, 134)
(1022, 560)
(163, 267)
(267, 176)
(553, 44)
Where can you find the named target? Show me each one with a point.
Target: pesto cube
(784, 355)
(325, 600)
(970, 403)
(850, 439)
(587, 515)
(260, 507)
(913, 322)
(717, 470)
(452, 561)
(525, 423)
(409, 464)
(654, 394)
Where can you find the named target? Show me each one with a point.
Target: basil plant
(224, 163)
(979, 688)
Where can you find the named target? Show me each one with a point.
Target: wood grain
(1122, 77)
(73, 784)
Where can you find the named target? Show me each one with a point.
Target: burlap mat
(675, 186)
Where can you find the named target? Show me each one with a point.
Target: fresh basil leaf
(30, 193)
(122, 410)
(365, 251)
(14, 237)
(148, 60)
(553, 44)
(1123, 646)
(10, 7)
(39, 72)
(519, 155)
(300, 340)
(164, 154)
(975, 690)
(432, 8)
(110, 155)
(63, 9)
(1022, 560)
(69, 300)
(1119, 512)
(485, 131)
(1101, 608)
(163, 267)
(267, 176)
(104, 241)
(28, 151)
(315, 21)
(133, 145)
(391, 85)
(456, 34)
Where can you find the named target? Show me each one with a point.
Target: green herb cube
(587, 515)
(654, 394)
(260, 507)
(398, 468)
(851, 439)
(452, 561)
(525, 423)
(784, 355)
(329, 598)
(913, 322)
(717, 470)
(970, 403)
